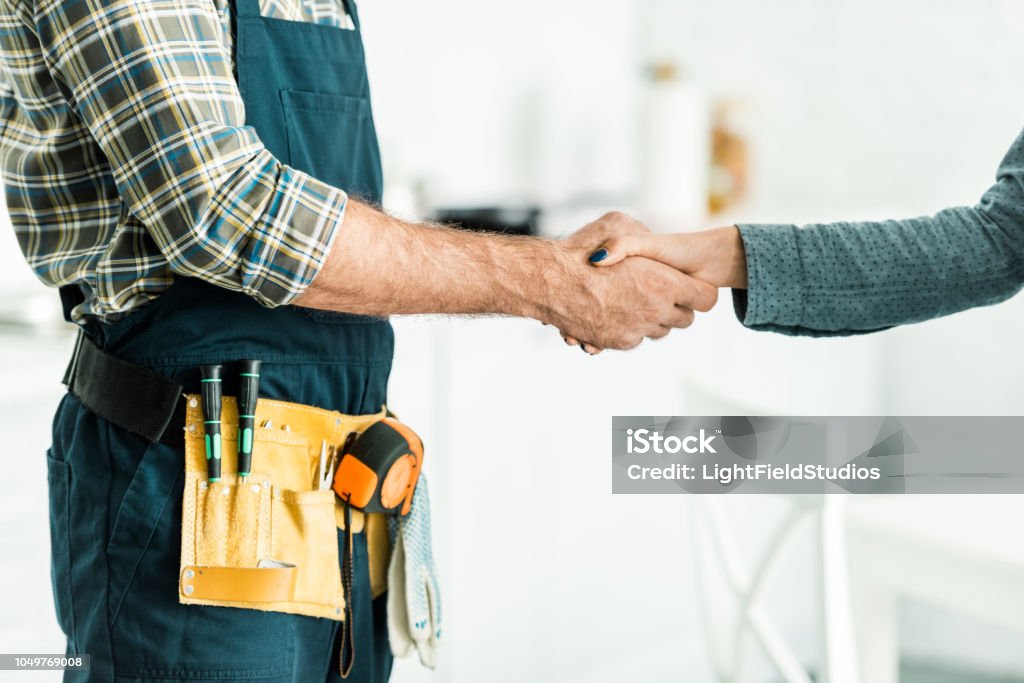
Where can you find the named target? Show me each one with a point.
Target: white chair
(730, 592)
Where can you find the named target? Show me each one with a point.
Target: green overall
(115, 498)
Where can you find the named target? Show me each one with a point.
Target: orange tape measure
(380, 467)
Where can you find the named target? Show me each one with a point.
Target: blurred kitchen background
(557, 110)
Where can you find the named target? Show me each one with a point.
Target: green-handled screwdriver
(211, 419)
(248, 393)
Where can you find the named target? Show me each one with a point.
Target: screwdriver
(211, 419)
(248, 392)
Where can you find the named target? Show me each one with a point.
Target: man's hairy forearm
(380, 265)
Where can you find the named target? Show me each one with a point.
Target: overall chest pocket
(332, 138)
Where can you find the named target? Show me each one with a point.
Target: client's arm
(854, 278)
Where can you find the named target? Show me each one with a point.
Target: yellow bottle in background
(729, 176)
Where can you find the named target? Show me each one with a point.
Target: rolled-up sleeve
(854, 278)
(153, 82)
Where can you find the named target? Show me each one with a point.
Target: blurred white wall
(499, 100)
(865, 109)
(857, 109)
(859, 105)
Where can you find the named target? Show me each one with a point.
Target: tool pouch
(270, 542)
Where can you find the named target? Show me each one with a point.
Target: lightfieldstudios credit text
(646, 441)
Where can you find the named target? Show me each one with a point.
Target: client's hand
(715, 256)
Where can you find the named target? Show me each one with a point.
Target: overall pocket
(147, 500)
(58, 476)
(344, 152)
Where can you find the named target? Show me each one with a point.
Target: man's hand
(617, 308)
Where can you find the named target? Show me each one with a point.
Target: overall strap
(350, 7)
(246, 8)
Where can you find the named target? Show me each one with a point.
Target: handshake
(622, 284)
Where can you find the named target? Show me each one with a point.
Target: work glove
(414, 597)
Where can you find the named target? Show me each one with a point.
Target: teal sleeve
(853, 278)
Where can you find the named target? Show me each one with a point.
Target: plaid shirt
(126, 160)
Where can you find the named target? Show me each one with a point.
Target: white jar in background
(674, 151)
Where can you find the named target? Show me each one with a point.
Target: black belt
(127, 395)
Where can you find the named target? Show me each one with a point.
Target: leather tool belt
(270, 542)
